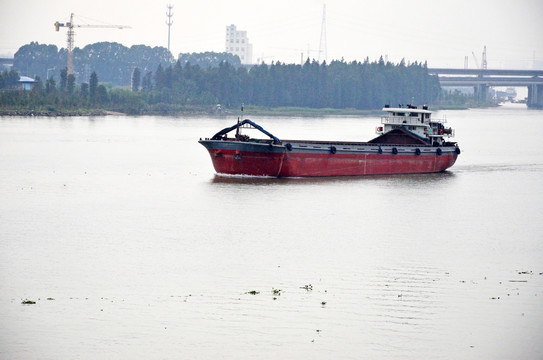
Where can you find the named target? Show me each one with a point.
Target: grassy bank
(52, 112)
(207, 110)
(194, 110)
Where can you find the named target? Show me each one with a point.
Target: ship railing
(407, 120)
(400, 120)
(448, 133)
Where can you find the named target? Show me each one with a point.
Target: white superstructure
(417, 121)
(238, 44)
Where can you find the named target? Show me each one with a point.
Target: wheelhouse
(418, 122)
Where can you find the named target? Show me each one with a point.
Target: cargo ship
(408, 141)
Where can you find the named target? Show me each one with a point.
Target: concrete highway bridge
(481, 80)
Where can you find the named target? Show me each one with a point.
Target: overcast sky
(441, 32)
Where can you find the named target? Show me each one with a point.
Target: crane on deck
(70, 25)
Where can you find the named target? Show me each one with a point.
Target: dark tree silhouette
(136, 76)
(93, 84)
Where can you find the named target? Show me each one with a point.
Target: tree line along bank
(205, 80)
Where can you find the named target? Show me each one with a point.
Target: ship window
(412, 114)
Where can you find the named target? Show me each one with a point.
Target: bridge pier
(535, 96)
(480, 92)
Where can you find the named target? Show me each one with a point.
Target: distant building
(6, 64)
(26, 83)
(238, 44)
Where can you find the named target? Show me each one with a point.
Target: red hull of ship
(289, 164)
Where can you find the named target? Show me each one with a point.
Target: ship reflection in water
(406, 179)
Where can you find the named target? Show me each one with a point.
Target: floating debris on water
(253, 292)
(28, 302)
(307, 287)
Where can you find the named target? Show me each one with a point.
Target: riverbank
(54, 113)
(193, 111)
(180, 111)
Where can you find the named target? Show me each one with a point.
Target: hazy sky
(441, 32)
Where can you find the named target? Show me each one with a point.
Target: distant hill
(114, 63)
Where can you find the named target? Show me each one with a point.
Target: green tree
(136, 76)
(93, 84)
(63, 79)
(114, 62)
(209, 59)
(160, 80)
(101, 94)
(36, 59)
(84, 91)
(70, 84)
(11, 79)
(38, 86)
(50, 86)
(147, 82)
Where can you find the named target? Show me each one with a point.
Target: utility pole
(322, 44)
(169, 22)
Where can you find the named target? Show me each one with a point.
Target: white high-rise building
(238, 44)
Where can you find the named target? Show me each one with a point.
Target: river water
(131, 246)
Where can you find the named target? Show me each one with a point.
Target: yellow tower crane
(70, 25)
